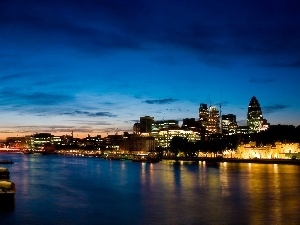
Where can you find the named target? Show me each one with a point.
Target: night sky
(96, 67)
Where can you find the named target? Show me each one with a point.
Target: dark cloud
(40, 98)
(262, 80)
(11, 97)
(274, 108)
(91, 114)
(263, 29)
(90, 123)
(160, 101)
(84, 26)
(12, 76)
(48, 129)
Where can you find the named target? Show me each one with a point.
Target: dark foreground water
(72, 190)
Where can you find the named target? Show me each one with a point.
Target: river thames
(56, 189)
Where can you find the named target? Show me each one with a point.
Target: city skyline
(97, 67)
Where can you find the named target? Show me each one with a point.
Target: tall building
(213, 124)
(229, 124)
(254, 116)
(146, 124)
(203, 114)
(209, 118)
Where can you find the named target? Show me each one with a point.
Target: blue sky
(96, 67)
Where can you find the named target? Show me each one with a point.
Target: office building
(229, 124)
(254, 116)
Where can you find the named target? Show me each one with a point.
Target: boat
(7, 191)
(28, 151)
(147, 159)
(4, 173)
(139, 159)
(153, 160)
(5, 161)
(113, 157)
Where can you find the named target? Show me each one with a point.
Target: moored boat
(5, 161)
(113, 157)
(139, 159)
(4, 173)
(7, 191)
(147, 159)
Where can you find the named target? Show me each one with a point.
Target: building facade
(136, 144)
(229, 124)
(164, 137)
(278, 151)
(146, 124)
(209, 118)
(254, 116)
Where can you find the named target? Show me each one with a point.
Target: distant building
(203, 114)
(112, 142)
(137, 128)
(242, 130)
(191, 124)
(15, 142)
(278, 151)
(213, 125)
(209, 118)
(39, 140)
(164, 137)
(265, 125)
(136, 144)
(146, 124)
(254, 116)
(229, 124)
(164, 125)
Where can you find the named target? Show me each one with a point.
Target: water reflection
(141, 193)
(231, 193)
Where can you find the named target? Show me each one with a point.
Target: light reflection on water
(67, 190)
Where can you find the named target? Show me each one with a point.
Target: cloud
(93, 30)
(214, 33)
(12, 76)
(262, 80)
(274, 108)
(48, 129)
(160, 101)
(11, 97)
(91, 114)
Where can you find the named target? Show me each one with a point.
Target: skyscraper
(209, 118)
(203, 114)
(254, 116)
(213, 125)
(146, 124)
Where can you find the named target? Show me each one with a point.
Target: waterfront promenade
(85, 153)
(236, 160)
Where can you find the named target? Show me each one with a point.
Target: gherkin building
(254, 116)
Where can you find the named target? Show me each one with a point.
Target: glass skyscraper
(254, 116)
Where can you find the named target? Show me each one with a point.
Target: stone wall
(280, 150)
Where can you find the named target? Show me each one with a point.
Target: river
(57, 189)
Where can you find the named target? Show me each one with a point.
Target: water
(73, 190)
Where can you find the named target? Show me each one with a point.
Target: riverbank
(236, 160)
